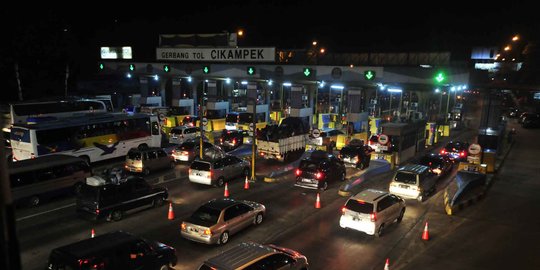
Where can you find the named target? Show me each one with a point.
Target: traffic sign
(307, 72)
(204, 122)
(251, 127)
(315, 133)
(474, 149)
(383, 139)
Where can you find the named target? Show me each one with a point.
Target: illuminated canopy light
(395, 90)
(337, 86)
(287, 84)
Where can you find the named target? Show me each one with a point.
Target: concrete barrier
(465, 189)
(376, 167)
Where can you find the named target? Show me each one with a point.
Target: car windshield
(452, 146)
(200, 166)
(134, 155)
(430, 161)
(176, 131)
(359, 206)
(309, 165)
(406, 178)
(207, 214)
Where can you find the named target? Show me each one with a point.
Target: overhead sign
(217, 54)
(383, 139)
(315, 133)
(116, 52)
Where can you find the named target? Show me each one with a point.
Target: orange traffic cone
(246, 183)
(92, 233)
(170, 216)
(425, 234)
(226, 193)
(387, 264)
(318, 201)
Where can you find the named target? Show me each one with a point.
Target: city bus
(93, 138)
(35, 180)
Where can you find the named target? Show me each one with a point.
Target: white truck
(278, 142)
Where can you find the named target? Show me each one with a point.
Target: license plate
(404, 186)
(306, 180)
(193, 229)
(383, 147)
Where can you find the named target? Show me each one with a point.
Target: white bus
(93, 138)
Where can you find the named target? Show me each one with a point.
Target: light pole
(395, 90)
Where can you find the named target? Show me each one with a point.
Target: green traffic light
(369, 75)
(250, 70)
(206, 69)
(440, 77)
(307, 72)
(131, 67)
(101, 66)
(166, 68)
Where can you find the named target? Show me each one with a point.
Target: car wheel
(158, 201)
(116, 215)
(34, 200)
(142, 146)
(401, 214)
(146, 171)
(420, 198)
(224, 238)
(220, 182)
(380, 231)
(324, 185)
(258, 219)
(164, 267)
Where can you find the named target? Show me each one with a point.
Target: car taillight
(373, 216)
(32, 156)
(443, 152)
(462, 154)
(298, 172)
(210, 174)
(173, 152)
(207, 232)
(234, 141)
(221, 140)
(343, 210)
(319, 175)
(183, 226)
(97, 211)
(189, 171)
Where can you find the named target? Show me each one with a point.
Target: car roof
(91, 246)
(369, 195)
(318, 155)
(413, 168)
(221, 203)
(239, 255)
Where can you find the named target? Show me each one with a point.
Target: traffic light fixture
(251, 71)
(131, 67)
(440, 77)
(369, 75)
(307, 72)
(101, 66)
(166, 68)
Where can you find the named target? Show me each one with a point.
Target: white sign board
(383, 139)
(217, 54)
(204, 122)
(116, 52)
(251, 127)
(474, 149)
(315, 133)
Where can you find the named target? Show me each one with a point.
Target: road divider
(466, 188)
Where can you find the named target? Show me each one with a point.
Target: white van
(181, 134)
(413, 182)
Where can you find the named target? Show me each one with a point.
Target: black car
(456, 151)
(318, 169)
(113, 250)
(356, 154)
(231, 139)
(438, 164)
(531, 121)
(105, 199)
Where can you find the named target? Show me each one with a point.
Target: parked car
(356, 154)
(218, 171)
(232, 139)
(181, 134)
(99, 199)
(318, 169)
(190, 150)
(147, 159)
(371, 211)
(413, 181)
(438, 164)
(215, 221)
(257, 256)
(113, 250)
(456, 151)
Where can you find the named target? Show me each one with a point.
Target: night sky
(37, 41)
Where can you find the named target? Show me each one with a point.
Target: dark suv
(232, 139)
(114, 250)
(318, 169)
(356, 154)
(456, 151)
(114, 200)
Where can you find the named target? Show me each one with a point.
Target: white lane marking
(42, 213)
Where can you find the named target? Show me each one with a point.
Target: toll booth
(276, 116)
(374, 125)
(183, 106)
(405, 139)
(327, 121)
(216, 113)
(491, 141)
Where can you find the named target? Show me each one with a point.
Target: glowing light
(189, 79)
(507, 48)
(337, 86)
(228, 80)
(287, 84)
(244, 82)
(128, 75)
(156, 77)
(395, 90)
